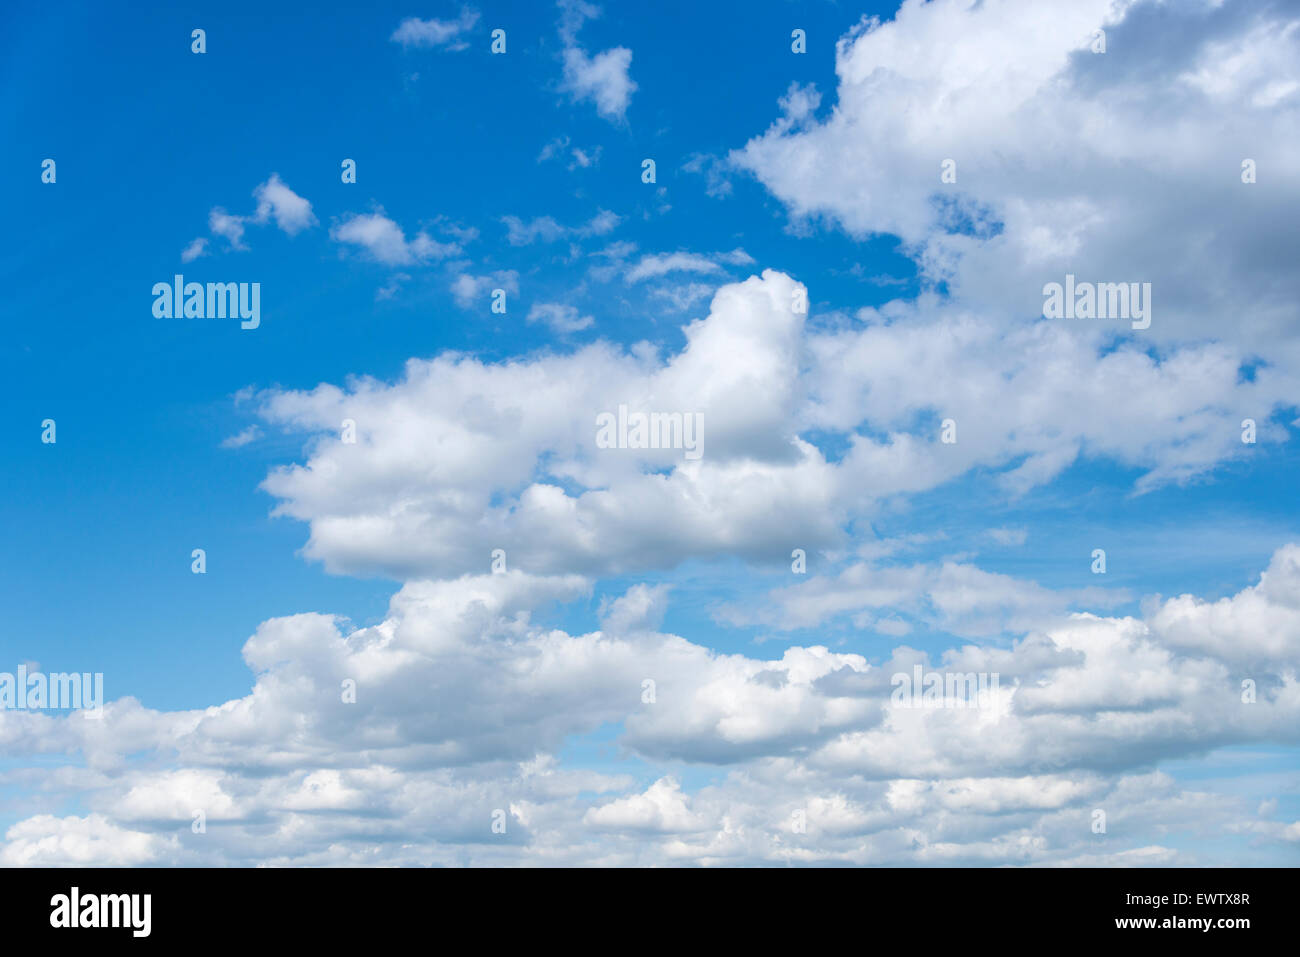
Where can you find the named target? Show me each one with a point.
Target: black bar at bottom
(943, 907)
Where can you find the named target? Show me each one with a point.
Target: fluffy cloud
(489, 469)
(384, 241)
(1105, 165)
(602, 79)
(397, 742)
(91, 841)
(461, 700)
(1257, 627)
(476, 479)
(663, 807)
(275, 201)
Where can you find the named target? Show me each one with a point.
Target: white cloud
(91, 841)
(462, 701)
(1258, 626)
(602, 79)
(242, 438)
(469, 290)
(467, 691)
(715, 172)
(560, 317)
(1026, 406)
(414, 32)
(1009, 536)
(960, 598)
(389, 290)
(546, 229)
(275, 200)
(1066, 160)
(580, 157)
(194, 250)
(740, 370)
(231, 228)
(640, 609)
(663, 807)
(683, 296)
(583, 158)
(384, 241)
(664, 263)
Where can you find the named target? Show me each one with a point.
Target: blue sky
(434, 135)
(515, 173)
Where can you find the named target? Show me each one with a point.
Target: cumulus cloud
(663, 807)
(275, 201)
(1259, 626)
(486, 463)
(384, 241)
(461, 700)
(1065, 160)
(396, 741)
(91, 841)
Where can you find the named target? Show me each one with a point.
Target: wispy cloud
(240, 439)
(560, 317)
(548, 230)
(417, 33)
(194, 250)
(663, 263)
